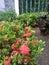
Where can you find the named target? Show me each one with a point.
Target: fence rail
(32, 6)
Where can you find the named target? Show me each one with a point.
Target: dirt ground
(44, 58)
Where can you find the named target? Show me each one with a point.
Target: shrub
(47, 17)
(29, 18)
(9, 15)
(2, 14)
(18, 44)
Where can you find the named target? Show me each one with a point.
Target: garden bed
(19, 44)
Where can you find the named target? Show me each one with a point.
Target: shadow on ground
(44, 58)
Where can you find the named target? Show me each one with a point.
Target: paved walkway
(44, 58)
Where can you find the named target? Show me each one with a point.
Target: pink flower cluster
(16, 49)
(8, 61)
(21, 46)
(1, 24)
(24, 49)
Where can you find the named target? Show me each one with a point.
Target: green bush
(47, 17)
(9, 31)
(18, 34)
(29, 18)
(2, 15)
(10, 15)
(12, 36)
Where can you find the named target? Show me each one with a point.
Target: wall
(9, 4)
(6, 5)
(2, 5)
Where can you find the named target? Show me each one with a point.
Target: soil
(43, 59)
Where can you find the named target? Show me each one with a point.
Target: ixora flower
(8, 61)
(27, 29)
(19, 40)
(35, 42)
(28, 34)
(1, 24)
(24, 49)
(26, 43)
(13, 46)
(14, 53)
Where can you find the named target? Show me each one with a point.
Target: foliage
(10, 15)
(47, 17)
(29, 18)
(18, 44)
(2, 14)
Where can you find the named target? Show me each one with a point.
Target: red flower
(27, 34)
(27, 28)
(35, 42)
(13, 46)
(24, 49)
(19, 40)
(1, 24)
(7, 62)
(26, 42)
(15, 52)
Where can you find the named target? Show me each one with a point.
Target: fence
(32, 6)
